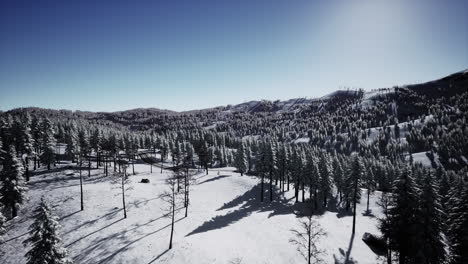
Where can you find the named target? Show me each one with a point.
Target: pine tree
(401, 224)
(71, 150)
(47, 143)
(36, 137)
(355, 174)
(45, 242)
(369, 182)
(2, 221)
(12, 190)
(338, 176)
(458, 228)
(95, 144)
(241, 159)
(325, 177)
(312, 175)
(83, 147)
(431, 248)
(271, 164)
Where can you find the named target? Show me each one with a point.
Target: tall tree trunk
(354, 205)
(81, 191)
(309, 233)
(89, 166)
(187, 189)
(27, 168)
(325, 200)
(271, 186)
(14, 211)
(173, 216)
(303, 191)
(368, 195)
(310, 195)
(123, 196)
(261, 189)
(296, 191)
(315, 198)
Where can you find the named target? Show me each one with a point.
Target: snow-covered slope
(226, 222)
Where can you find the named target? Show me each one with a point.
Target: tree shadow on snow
(215, 178)
(128, 244)
(345, 257)
(160, 255)
(249, 203)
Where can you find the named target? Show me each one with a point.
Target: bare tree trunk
(354, 205)
(303, 192)
(368, 195)
(81, 191)
(123, 195)
(187, 189)
(89, 166)
(261, 189)
(296, 191)
(309, 251)
(173, 216)
(14, 211)
(27, 169)
(315, 198)
(271, 186)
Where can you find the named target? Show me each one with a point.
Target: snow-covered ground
(226, 222)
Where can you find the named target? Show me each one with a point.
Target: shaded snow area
(226, 222)
(423, 158)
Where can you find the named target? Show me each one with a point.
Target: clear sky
(182, 55)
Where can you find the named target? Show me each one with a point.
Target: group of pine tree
(349, 149)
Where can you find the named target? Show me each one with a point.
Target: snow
(226, 222)
(421, 157)
(302, 140)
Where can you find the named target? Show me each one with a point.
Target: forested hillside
(408, 142)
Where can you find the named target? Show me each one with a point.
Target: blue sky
(183, 55)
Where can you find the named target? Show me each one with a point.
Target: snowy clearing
(226, 222)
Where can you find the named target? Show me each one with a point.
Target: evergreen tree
(270, 152)
(431, 248)
(12, 189)
(45, 242)
(241, 159)
(83, 147)
(2, 221)
(325, 177)
(401, 225)
(355, 174)
(338, 176)
(369, 183)
(95, 144)
(47, 143)
(71, 150)
(458, 229)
